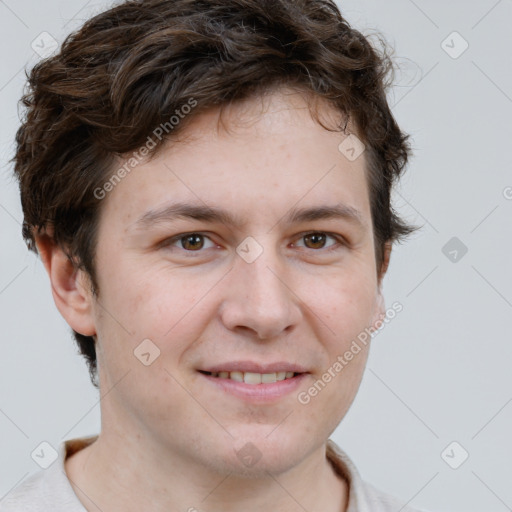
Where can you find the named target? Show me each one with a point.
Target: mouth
(253, 378)
(254, 382)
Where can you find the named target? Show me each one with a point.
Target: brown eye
(315, 240)
(187, 243)
(320, 242)
(192, 242)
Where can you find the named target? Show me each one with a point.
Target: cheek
(169, 307)
(145, 298)
(347, 308)
(346, 305)
(329, 396)
(336, 386)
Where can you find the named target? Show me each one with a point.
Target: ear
(70, 287)
(379, 311)
(380, 305)
(386, 256)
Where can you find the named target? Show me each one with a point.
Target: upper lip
(254, 367)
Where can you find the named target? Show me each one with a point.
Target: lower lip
(258, 392)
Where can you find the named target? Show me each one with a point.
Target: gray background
(440, 371)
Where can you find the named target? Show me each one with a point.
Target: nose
(261, 298)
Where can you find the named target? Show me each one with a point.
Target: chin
(270, 451)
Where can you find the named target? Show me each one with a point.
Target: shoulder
(27, 496)
(363, 497)
(48, 489)
(383, 502)
(42, 491)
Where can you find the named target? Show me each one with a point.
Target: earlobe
(70, 293)
(379, 311)
(385, 261)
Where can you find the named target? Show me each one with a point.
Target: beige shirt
(49, 490)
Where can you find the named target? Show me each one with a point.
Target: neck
(122, 474)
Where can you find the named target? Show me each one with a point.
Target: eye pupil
(317, 240)
(192, 242)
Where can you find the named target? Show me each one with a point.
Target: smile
(252, 377)
(253, 383)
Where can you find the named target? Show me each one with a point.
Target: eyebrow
(213, 214)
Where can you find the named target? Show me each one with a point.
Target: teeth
(268, 377)
(254, 378)
(238, 376)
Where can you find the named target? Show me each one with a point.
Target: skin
(168, 433)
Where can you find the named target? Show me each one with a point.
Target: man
(208, 186)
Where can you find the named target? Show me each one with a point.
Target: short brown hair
(128, 70)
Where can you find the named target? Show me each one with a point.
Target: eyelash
(336, 246)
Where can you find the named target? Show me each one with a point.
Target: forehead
(265, 154)
(263, 114)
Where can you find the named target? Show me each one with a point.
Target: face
(235, 257)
